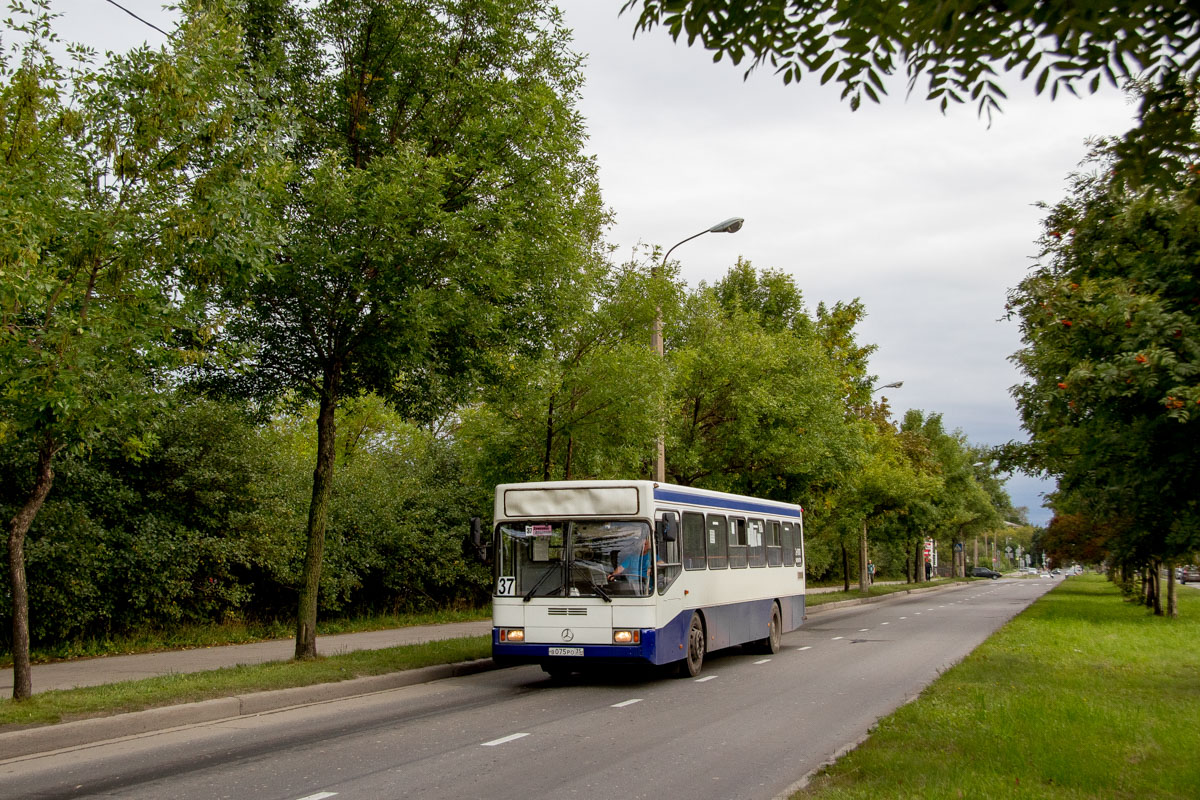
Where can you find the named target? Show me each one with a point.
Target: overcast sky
(928, 219)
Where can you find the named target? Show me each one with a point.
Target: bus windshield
(575, 558)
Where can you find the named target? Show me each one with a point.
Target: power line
(139, 19)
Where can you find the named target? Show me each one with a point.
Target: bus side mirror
(667, 529)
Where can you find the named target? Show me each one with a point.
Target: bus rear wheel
(696, 648)
(772, 643)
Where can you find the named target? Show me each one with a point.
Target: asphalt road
(750, 727)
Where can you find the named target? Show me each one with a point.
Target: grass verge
(1080, 696)
(185, 637)
(63, 705)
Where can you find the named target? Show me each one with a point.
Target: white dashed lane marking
(627, 703)
(504, 739)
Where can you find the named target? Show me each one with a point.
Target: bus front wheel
(696, 648)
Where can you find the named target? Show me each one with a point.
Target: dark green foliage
(152, 540)
(201, 526)
(959, 48)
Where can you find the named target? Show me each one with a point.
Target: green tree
(122, 189)
(1110, 320)
(757, 403)
(960, 506)
(399, 513)
(439, 196)
(589, 403)
(175, 530)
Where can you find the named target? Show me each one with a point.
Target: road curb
(46, 739)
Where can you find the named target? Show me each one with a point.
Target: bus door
(668, 565)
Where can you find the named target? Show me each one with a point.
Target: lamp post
(863, 559)
(731, 225)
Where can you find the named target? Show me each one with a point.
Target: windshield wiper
(601, 592)
(539, 583)
(580, 574)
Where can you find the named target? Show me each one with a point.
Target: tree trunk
(318, 514)
(547, 460)
(862, 559)
(918, 562)
(1172, 607)
(845, 568)
(1158, 606)
(18, 526)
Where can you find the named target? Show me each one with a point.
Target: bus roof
(622, 498)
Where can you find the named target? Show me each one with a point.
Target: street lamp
(731, 225)
(863, 559)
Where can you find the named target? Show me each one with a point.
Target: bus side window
(694, 556)
(789, 544)
(756, 533)
(774, 544)
(718, 542)
(737, 544)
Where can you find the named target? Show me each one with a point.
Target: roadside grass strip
(185, 637)
(67, 704)
(1082, 695)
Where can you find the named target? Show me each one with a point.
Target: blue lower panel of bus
(725, 626)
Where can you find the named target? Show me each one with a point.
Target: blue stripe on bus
(761, 507)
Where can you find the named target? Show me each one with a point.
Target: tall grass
(1083, 695)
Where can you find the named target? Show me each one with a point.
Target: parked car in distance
(984, 572)
(1189, 574)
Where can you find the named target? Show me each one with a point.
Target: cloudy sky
(928, 219)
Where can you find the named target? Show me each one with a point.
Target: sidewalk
(112, 669)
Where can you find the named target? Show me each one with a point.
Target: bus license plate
(565, 651)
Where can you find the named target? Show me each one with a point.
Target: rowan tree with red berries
(1110, 318)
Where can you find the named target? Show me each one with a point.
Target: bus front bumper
(565, 653)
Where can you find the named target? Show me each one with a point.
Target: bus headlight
(627, 637)
(512, 634)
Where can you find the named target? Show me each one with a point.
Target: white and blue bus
(640, 572)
